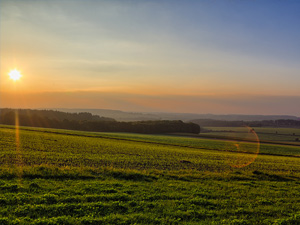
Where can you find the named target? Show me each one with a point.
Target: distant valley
(138, 116)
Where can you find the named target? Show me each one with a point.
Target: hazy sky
(210, 56)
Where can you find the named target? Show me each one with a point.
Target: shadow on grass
(51, 172)
(133, 176)
(271, 177)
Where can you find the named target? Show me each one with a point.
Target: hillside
(138, 116)
(71, 177)
(87, 122)
(240, 123)
(33, 114)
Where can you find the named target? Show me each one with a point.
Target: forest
(88, 122)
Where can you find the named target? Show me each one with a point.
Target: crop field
(284, 135)
(50, 176)
(270, 130)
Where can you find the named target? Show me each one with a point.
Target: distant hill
(240, 123)
(52, 115)
(88, 122)
(116, 114)
(138, 116)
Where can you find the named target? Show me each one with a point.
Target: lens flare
(245, 149)
(19, 160)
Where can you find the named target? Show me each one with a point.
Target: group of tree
(88, 122)
(263, 123)
(32, 114)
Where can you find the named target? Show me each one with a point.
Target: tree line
(263, 123)
(89, 122)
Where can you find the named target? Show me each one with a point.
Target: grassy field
(53, 176)
(284, 135)
(270, 130)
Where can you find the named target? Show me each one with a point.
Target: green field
(284, 135)
(271, 130)
(70, 177)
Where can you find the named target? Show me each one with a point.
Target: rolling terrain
(138, 116)
(287, 136)
(51, 176)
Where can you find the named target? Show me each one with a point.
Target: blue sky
(226, 51)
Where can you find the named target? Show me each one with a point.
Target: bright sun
(14, 74)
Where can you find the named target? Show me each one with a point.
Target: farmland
(283, 135)
(50, 176)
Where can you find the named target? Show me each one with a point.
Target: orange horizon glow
(216, 104)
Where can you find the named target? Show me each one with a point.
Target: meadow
(265, 134)
(50, 176)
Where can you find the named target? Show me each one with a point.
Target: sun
(15, 74)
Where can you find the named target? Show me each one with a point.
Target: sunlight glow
(15, 74)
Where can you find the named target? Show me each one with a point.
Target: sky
(204, 56)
